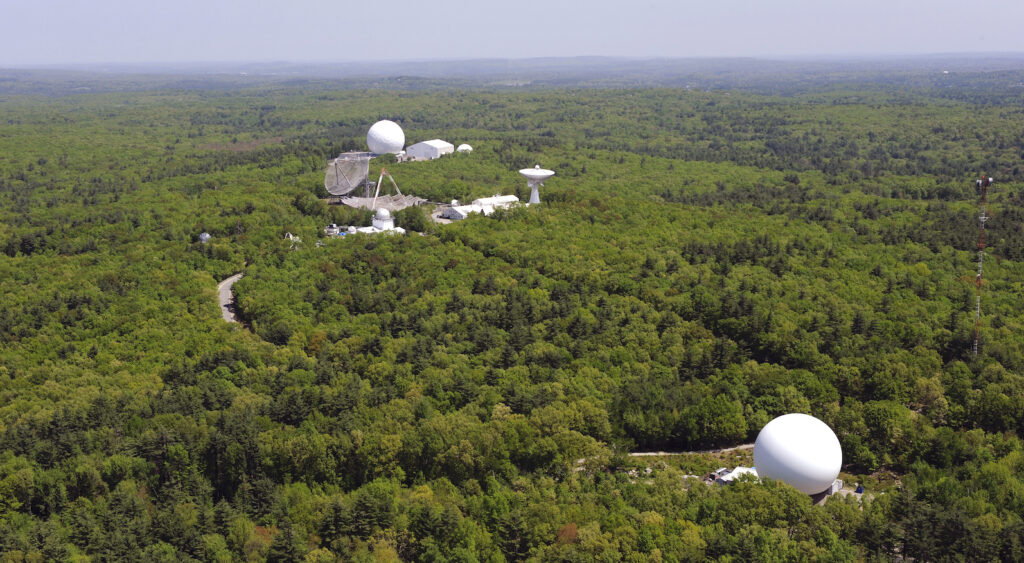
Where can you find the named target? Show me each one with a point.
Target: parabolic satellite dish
(534, 178)
(385, 137)
(800, 450)
(347, 172)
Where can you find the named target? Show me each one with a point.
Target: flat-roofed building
(429, 150)
(484, 206)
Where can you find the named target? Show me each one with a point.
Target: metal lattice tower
(983, 184)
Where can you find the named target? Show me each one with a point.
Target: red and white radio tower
(983, 183)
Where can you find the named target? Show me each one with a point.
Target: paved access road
(718, 451)
(227, 299)
(581, 461)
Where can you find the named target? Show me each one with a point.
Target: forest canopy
(702, 262)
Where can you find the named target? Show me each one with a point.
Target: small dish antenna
(535, 178)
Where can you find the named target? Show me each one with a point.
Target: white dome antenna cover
(799, 450)
(385, 137)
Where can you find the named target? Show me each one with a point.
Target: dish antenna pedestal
(535, 178)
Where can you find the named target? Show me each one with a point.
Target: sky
(55, 32)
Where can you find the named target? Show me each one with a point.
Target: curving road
(227, 299)
(583, 460)
(717, 451)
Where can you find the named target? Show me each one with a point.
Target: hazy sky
(97, 31)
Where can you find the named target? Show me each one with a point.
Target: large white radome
(800, 450)
(385, 137)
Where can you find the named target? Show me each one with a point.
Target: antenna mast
(983, 185)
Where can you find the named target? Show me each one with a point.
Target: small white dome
(385, 137)
(800, 450)
(383, 213)
(464, 148)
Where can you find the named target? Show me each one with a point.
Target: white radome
(385, 137)
(464, 148)
(800, 450)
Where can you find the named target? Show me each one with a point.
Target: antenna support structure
(983, 184)
(384, 172)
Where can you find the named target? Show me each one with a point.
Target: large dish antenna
(535, 178)
(347, 172)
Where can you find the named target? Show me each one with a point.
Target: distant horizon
(105, 32)
(810, 57)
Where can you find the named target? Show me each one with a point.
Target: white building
(383, 222)
(726, 477)
(484, 205)
(429, 150)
